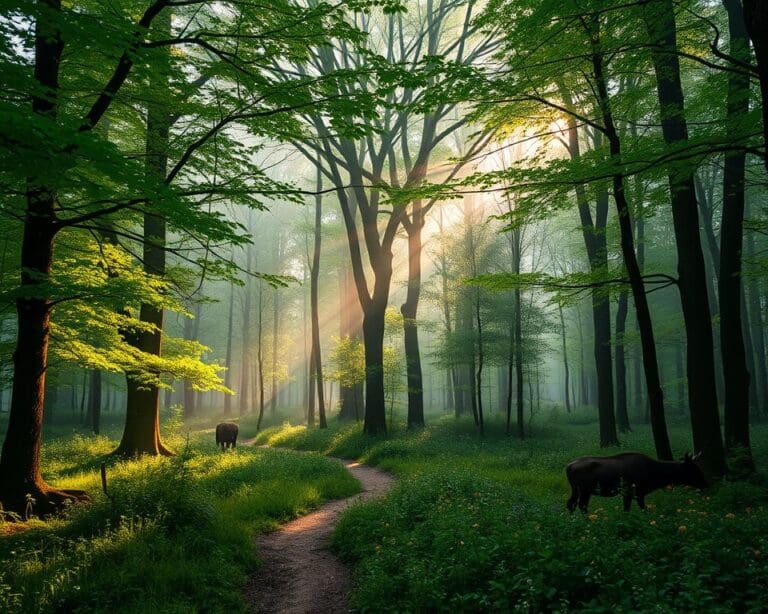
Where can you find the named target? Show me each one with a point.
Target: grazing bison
(226, 434)
(633, 474)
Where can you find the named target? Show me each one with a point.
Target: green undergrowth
(479, 525)
(174, 534)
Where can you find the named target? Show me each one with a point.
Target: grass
(174, 535)
(480, 525)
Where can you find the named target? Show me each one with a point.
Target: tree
(72, 178)
(731, 290)
(659, 19)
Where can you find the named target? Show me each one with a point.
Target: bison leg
(627, 501)
(234, 443)
(641, 500)
(584, 497)
(571, 505)
(627, 493)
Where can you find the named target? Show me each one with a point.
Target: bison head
(692, 472)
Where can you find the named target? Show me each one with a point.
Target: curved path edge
(299, 573)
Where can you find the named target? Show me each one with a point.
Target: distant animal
(632, 474)
(226, 434)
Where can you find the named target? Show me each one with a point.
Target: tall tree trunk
(659, 17)
(566, 394)
(228, 359)
(749, 351)
(756, 324)
(452, 380)
(583, 398)
(597, 252)
(756, 21)
(712, 265)
(188, 391)
(517, 256)
(245, 361)
(260, 354)
(731, 244)
(317, 369)
(622, 414)
(275, 330)
(375, 421)
(680, 374)
(410, 328)
(94, 401)
(20, 459)
(478, 373)
(350, 321)
(141, 434)
(650, 361)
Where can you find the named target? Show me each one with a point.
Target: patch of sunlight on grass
(123, 551)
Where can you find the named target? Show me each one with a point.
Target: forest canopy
(379, 211)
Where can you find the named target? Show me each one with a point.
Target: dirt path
(300, 574)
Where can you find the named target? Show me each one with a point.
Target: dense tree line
(566, 199)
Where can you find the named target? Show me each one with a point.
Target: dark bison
(632, 474)
(226, 434)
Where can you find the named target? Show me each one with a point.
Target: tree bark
(622, 414)
(316, 357)
(659, 18)
(597, 252)
(731, 244)
(650, 361)
(228, 359)
(566, 389)
(94, 401)
(350, 315)
(245, 361)
(143, 400)
(260, 354)
(756, 324)
(410, 328)
(756, 21)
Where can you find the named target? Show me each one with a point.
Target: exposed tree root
(39, 500)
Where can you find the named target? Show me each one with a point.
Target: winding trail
(299, 573)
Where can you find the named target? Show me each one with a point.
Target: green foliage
(480, 525)
(347, 361)
(174, 535)
(456, 541)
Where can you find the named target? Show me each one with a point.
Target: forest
(459, 242)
